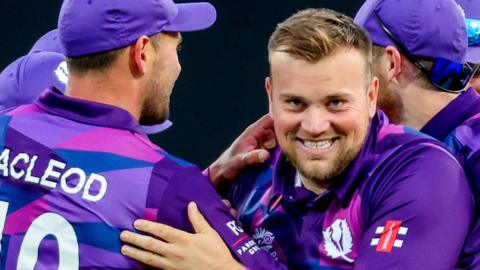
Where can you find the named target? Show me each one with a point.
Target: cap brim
(193, 17)
(473, 55)
(153, 129)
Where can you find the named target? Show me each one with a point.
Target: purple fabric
(87, 27)
(23, 80)
(48, 42)
(134, 179)
(403, 177)
(428, 28)
(458, 126)
(453, 115)
(27, 77)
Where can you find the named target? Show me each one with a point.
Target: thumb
(199, 223)
(256, 156)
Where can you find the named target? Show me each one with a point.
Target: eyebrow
(340, 95)
(329, 97)
(290, 96)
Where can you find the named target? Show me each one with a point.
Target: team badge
(338, 240)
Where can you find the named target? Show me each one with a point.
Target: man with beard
(77, 168)
(345, 189)
(22, 81)
(423, 83)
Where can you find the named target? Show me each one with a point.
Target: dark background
(220, 90)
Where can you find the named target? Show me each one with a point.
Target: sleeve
(470, 257)
(188, 184)
(417, 215)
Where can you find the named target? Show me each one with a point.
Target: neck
(110, 88)
(312, 185)
(421, 105)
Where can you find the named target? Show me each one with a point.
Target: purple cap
(48, 42)
(428, 28)
(26, 78)
(22, 81)
(88, 27)
(472, 11)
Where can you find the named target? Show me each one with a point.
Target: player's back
(68, 189)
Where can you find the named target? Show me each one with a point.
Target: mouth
(317, 146)
(325, 144)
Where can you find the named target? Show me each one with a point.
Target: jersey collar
(94, 113)
(454, 114)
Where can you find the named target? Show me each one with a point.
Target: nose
(315, 122)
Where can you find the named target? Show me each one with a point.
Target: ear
(139, 55)
(268, 88)
(395, 63)
(372, 95)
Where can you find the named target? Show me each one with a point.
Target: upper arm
(419, 215)
(188, 184)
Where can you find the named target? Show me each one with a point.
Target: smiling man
(345, 189)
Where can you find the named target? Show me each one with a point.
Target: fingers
(264, 122)
(199, 223)
(227, 203)
(256, 156)
(143, 241)
(146, 257)
(233, 212)
(162, 231)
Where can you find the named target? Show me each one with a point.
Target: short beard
(151, 116)
(154, 112)
(324, 179)
(389, 101)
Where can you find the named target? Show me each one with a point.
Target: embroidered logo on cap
(388, 236)
(338, 240)
(62, 72)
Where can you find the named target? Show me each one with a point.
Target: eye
(295, 103)
(336, 103)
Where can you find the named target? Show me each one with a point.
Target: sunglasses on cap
(447, 75)
(473, 32)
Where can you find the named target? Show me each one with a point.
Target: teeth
(319, 144)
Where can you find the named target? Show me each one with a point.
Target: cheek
(284, 123)
(476, 83)
(353, 123)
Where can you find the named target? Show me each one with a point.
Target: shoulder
(170, 168)
(465, 139)
(404, 159)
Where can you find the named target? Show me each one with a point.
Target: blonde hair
(312, 34)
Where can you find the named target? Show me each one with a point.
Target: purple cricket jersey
(76, 173)
(458, 126)
(403, 203)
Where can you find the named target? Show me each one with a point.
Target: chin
(316, 171)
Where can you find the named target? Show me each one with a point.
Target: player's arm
(418, 216)
(187, 185)
(471, 251)
(250, 148)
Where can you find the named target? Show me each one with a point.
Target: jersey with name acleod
(403, 203)
(74, 174)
